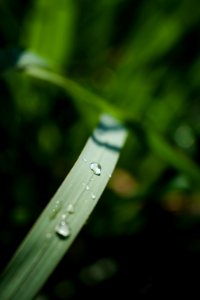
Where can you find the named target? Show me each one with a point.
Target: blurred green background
(142, 58)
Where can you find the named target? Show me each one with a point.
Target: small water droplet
(70, 209)
(109, 175)
(85, 159)
(54, 212)
(63, 230)
(63, 216)
(96, 168)
(93, 196)
(87, 188)
(48, 235)
(55, 209)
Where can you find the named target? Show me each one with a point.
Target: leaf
(78, 93)
(47, 19)
(173, 156)
(66, 213)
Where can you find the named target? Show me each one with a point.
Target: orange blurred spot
(123, 183)
(194, 206)
(175, 201)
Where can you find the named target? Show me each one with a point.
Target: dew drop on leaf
(63, 230)
(93, 196)
(55, 210)
(70, 209)
(96, 168)
(48, 235)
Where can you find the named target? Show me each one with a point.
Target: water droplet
(55, 209)
(85, 159)
(96, 168)
(63, 216)
(93, 196)
(48, 235)
(109, 175)
(70, 208)
(54, 212)
(87, 188)
(62, 229)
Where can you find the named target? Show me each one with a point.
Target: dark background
(143, 239)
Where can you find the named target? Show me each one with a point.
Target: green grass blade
(49, 30)
(78, 93)
(72, 204)
(173, 156)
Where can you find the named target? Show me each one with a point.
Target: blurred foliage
(139, 60)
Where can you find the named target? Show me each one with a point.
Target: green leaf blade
(43, 248)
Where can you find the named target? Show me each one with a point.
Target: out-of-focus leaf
(173, 156)
(49, 30)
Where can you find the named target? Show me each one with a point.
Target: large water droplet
(96, 168)
(70, 209)
(63, 230)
